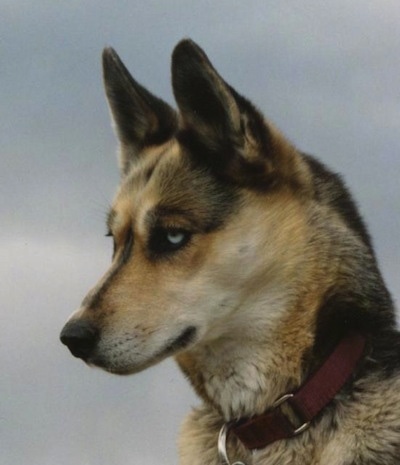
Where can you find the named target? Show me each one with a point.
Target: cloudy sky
(328, 74)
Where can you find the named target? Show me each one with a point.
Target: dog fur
(247, 261)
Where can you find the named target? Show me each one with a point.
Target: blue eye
(175, 237)
(167, 240)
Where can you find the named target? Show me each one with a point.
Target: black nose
(80, 337)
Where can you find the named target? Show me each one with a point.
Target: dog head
(209, 200)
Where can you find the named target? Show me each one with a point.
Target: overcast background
(327, 73)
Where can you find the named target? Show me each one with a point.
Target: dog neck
(264, 348)
(242, 373)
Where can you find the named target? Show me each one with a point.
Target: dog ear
(227, 130)
(204, 99)
(140, 118)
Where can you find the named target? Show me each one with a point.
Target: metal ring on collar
(223, 455)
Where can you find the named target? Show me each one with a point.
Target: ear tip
(108, 53)
(185, 49)
(110, 58)
(187, 42)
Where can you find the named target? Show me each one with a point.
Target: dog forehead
(150, 172)
(165, 180)
(155, 178)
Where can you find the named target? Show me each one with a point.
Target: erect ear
(204, 99)
(226, 125)
(140, 118)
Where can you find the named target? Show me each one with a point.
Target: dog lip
(183, 340)
(186, 337)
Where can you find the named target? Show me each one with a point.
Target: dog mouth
(115, 366)
(181, 342)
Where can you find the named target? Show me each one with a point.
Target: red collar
(306, 403)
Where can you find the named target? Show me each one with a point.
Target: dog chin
(186, 338)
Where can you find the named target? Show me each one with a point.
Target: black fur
(217, 120)
(329, 188)
(363, 304)
(142, 119)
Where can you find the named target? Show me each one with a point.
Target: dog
(248, 262)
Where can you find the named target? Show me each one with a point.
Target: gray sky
(326, 73)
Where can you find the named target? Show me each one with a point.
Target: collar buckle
(284, 400)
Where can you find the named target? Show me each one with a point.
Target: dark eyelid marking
(160, 246)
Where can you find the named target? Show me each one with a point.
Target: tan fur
(242, 304)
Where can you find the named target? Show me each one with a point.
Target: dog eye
(165, 240)
(175, 237)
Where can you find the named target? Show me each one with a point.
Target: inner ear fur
(204, 99)
(141, 119)
(222, 127)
